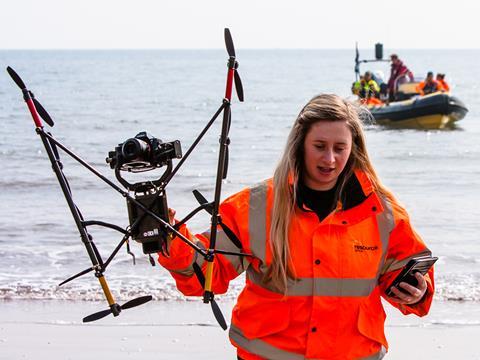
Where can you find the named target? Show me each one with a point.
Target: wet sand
(185, 330)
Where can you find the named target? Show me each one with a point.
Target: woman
(327, 239)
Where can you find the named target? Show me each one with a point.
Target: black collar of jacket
(352, 196)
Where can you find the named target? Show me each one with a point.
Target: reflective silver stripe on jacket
(378, 356)
(188, 271)
(393, 264)
(257, 220)
(385, 224)
(264, 349)
(224, 243)
(319, 286)
(261, 348)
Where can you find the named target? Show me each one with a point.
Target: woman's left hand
(410, 294)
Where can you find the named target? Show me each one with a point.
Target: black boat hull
(434, 111)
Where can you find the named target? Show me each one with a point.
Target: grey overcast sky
(121, 24)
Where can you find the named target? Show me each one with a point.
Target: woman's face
(326, 148)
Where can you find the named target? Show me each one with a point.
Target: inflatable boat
(433, 111)
(409, 109)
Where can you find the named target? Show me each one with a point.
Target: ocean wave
(458, 287)
(166, 292)
(129, 324)
(462, 288)
(453, 323)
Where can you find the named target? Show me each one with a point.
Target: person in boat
(398, 69)
(379, 77)
(429, 85)
(442, 82)
(370, 86)
(357, 86)
(367, 89)
(326, 239)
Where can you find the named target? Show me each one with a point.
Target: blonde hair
(325, 107)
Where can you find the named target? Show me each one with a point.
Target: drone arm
(104, 224)
(191, 214)
(32, 109)
(230, 75)
(180, 264)
(195, 143)
(227, 266)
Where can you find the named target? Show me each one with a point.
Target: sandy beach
(185, 330)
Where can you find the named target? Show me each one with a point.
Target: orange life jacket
(443, 85)
(342, 264)
(425, 88)
(372, 101)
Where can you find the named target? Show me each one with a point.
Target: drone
(146, 201)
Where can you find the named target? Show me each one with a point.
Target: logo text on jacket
(361, 248)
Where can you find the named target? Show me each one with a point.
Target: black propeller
(231, 53)
(231, 235)
(16, 78)
(97, 316)
(238, 83)
(215, 308)
(115, 308)
(218, 314)
(40, 109)
(202, 200)
(229, 43)
(81, 273)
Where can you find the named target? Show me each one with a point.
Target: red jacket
(395, 72)
(343, 265)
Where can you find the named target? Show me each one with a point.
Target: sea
(98, 99)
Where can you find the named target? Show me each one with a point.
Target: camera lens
(133, 149)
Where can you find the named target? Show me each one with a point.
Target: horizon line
(222, 48)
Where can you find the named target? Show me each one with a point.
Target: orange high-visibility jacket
(342, 264)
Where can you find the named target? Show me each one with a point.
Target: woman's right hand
(169, 238)
(171, 216)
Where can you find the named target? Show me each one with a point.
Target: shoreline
(53, 329)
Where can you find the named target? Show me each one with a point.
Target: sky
(198, 24)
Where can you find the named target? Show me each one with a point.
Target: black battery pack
(149, 231)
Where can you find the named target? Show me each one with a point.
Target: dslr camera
(143, 153)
